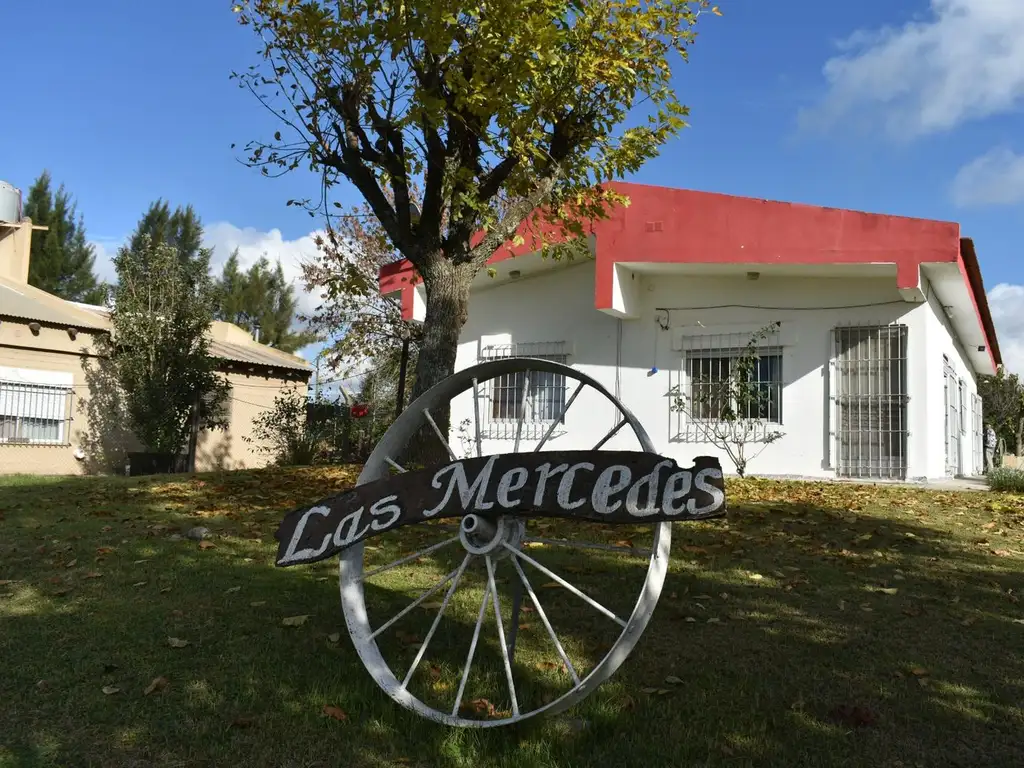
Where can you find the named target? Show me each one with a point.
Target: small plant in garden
(285, 433)
(731, 410)
(1008, 479)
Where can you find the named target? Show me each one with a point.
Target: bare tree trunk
(447, 287)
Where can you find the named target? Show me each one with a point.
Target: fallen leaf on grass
(158, 684)
(547, 666)
(919, 671)
(140, 584)
(257, 603)
(207, 545)
(243, 722)
(110, 690)
(71, 564)
(295, 621)
(481, 707)
(93, 575)
(232, 590)
(176, 642)
(336, 712)
(550, 585)
(434, 671)
(334, 637)
(756, 576)
(673, 680)
(101, 551)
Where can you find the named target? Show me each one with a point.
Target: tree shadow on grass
(792, 633)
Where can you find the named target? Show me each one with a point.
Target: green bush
(1006, 479)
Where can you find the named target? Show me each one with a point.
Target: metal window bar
(708, 363)
(35, 414)
(502, 398)
(871, 401)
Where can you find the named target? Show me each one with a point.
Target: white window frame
(729, 344)
(504, 427)
(30, 394)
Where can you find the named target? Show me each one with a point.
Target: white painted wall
(941, 340)
(559, 306)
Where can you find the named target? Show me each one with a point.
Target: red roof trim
(666, 225)
(971, 271)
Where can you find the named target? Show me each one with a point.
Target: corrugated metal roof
(25, 302)
(261, 355)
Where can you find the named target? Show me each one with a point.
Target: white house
(883, 329)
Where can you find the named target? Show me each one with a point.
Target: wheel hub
(487, 536)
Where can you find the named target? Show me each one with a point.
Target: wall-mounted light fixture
(73, 333)
(34, 327)
(753, 275)
(515, 274)
(981, 348)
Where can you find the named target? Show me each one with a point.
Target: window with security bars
(536, 398)
(34, 414)
(870, 374)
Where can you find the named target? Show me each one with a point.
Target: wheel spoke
(407, 558)
(558, 419)
(547, 624)
(437, 431)
(472, 650)
(413, 604)
(394, 464)
(501, 636)
(614, 431)
(437, 620)
(551, 574)
(635, 551)
(513, 629)
(476, 417)
(522, 412)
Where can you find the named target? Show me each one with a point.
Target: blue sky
(911, 108)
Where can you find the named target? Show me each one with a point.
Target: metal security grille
(871, 401)
(708, 364)
(951, 397)
(503, 397)
(978, 436)
(35, 414)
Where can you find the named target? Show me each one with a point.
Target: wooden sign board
(606, 486)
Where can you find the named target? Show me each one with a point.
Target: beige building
(60, 413)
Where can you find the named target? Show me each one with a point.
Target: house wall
(559, 306)
(250, 396)
(98, 439)
(941, 340)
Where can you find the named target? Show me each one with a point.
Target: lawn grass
(817, 625)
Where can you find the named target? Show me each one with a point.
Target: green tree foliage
(1002, 402)
(61, 257)
(162, 308)
(181, 229)
(503, 111)
(260, 297)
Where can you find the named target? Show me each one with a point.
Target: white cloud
(1006, 303)
(252, 244)
(995, 178)
(964, 62)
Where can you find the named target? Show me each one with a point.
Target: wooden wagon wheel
(487, 539)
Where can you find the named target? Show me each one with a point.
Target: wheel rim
(504, 543)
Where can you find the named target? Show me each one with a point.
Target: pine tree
(260, 297)
(181, 229)
(61, 257)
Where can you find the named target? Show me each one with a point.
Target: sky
(911, 108)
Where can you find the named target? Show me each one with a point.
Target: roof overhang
(666, 228)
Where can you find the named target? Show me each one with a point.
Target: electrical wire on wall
(618, 368)
(664, 326)
(668, 310)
